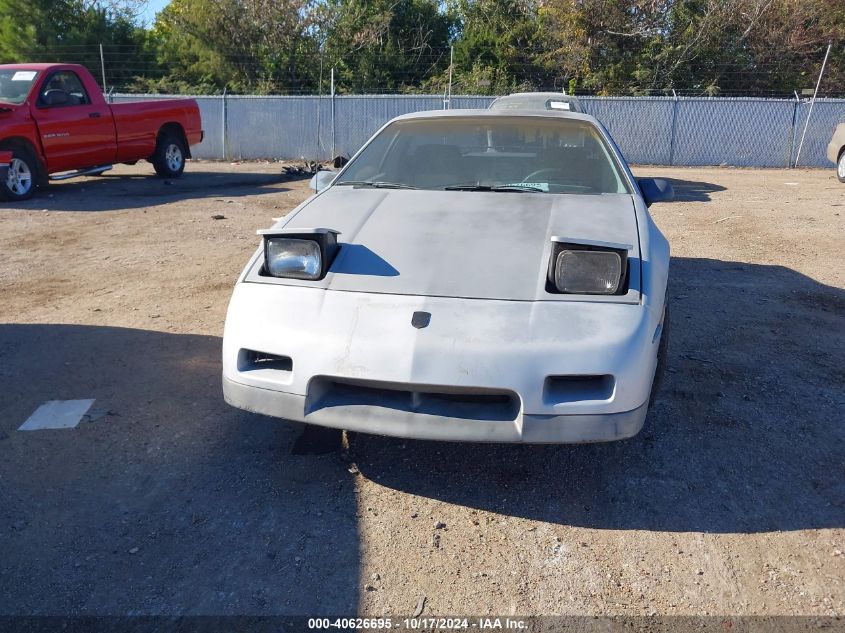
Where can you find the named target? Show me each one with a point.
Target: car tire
(840, 167)
(23, 176)
(169, 157)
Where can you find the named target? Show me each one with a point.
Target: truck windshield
(489, 153)
(15, 85)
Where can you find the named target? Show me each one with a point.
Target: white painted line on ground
(57, 414)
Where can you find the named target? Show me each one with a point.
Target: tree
(50, 29)
(605, 47)
(280, 46)
(702, 46)
(497, 44)
(382, 45)
(243, 45)
(66, 31)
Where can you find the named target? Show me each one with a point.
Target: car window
(547, 155)
(66, 82)
(15, 85)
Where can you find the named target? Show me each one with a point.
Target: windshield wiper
(377, 184)
(528, 188)
(497, 188)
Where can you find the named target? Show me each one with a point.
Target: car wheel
(169, 157)
(840, 167)
(22, 179)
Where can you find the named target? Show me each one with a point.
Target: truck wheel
(169, 157)
(840, 167)
(22, 179)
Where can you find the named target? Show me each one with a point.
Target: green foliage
(383, 45)
(705, 47)
(65, 30)
(497, 46)
(192, 44)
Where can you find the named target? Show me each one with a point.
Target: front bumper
(530, 429)
(472, 350)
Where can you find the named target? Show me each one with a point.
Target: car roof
(487, 113)
(530, 100)
(545, 95)
(38, 66)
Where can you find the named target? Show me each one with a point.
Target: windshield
(489, 154)
(15, 85)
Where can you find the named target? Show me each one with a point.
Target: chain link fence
(743, 132)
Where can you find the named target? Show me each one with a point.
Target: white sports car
(473, 275)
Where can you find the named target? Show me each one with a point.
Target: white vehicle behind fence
(538, 101)
(836, 151)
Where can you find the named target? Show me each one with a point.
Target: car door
(75, 132)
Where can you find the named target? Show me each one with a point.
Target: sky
(153, 7)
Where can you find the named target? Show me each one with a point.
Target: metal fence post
(674, 128)
(103, 66)
(333, 126)
(813, 102)
(792, 136)
(320, 107)
(451, 64)
(224, 125)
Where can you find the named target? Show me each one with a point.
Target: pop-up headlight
(587, 267)
(298, 253)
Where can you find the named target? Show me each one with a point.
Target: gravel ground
(731, 500)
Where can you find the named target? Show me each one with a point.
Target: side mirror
(656, 190)
(321, 180)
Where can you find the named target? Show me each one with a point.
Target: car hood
(480, 245)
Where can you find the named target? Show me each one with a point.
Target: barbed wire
(131, 67)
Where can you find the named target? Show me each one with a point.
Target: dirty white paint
(57, 414)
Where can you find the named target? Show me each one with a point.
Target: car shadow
(745, 435)
(114, 192)
(168, 501)
(693, 190)
(203, 509)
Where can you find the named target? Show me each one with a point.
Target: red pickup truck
(56, 124)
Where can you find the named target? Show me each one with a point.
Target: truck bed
(137, 123)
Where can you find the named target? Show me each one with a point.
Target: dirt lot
(731, 500)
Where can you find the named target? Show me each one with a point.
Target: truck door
(75, 132)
